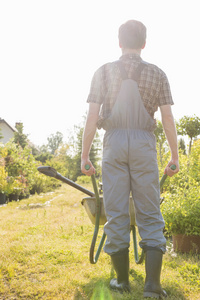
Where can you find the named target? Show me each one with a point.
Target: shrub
(41, 183)
(181, 211)
(15, 185)
(22, 175)
(83, 179)
(3, 181)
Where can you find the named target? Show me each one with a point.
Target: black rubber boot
(153, 265)
(120, 261)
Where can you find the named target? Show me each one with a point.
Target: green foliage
(3, 181)
(77, 149)
(190, 273)
(16, 185)
(181, 145)
(54, 141)
(161, 143)
(188, 173)
(20, 167)
(20, 164)
(181, 210)
(45, 255)
(43, 157)
(76, 143)
(42, 154)
(181, 206)
(62, 161)
(195, 161)
(178, 180)
(66, 157)
(19, 137)
(159, 133)
(41, 184)
(83, 179)
(189, 126)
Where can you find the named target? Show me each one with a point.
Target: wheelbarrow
(95, 210)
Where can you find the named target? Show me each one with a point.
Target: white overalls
(130, 165)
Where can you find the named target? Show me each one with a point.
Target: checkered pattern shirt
(153, 86)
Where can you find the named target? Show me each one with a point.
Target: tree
(54, 141)
(189, 126)
(43, 154)
(62, 161)
(78, 150)
(181, 145)
(19, 137)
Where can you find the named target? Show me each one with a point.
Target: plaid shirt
(153, 86)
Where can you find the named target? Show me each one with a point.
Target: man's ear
(120, 46)
(143, 46)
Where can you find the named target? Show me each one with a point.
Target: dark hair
(132, 35)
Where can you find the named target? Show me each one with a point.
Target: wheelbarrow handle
(51, 172)
(173, 167)
(93, 260)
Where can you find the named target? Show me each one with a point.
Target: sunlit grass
(45, 255)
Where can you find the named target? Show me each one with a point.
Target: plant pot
(2, 198)
(186, 243)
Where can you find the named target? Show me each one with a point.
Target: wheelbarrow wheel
(138, 257)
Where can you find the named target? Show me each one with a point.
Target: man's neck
(131, 51)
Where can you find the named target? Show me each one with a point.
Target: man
(123, 98)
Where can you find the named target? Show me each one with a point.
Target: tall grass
(44, 254)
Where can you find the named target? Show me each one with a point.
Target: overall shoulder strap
(137, 73)
(122, 69)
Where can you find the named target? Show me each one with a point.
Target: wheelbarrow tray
(90, 205)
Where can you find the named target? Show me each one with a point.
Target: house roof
(3, 121)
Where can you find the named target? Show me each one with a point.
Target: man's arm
(171, 135)
(88, 136)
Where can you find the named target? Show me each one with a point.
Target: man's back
(153, 85)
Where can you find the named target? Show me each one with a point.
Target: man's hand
(169, 171)
(90, 171)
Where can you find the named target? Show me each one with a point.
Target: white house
(6, 131)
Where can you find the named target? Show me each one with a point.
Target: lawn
(44, 254)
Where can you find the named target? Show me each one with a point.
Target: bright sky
(49, 51)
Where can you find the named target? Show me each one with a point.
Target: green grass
(44, 254)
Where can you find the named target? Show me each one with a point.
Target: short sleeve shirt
(153, 86)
